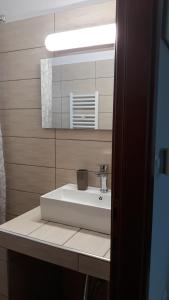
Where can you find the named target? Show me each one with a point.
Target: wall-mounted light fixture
(81, 38)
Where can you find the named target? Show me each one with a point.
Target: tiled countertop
(74, 248)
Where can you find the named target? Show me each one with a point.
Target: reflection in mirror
(77, 91)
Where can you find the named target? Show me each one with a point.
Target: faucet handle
(103, 168)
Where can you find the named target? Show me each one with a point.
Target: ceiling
(22, 9)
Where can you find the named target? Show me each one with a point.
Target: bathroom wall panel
(23, 64)
(69, 176)
(85, 16)
(30, 179)
(57, 105)
(20, 94)
(77, 86)
(56, 89)
(24, 123)
(75, 155)
(105, 120)
(105, 104)
(29, 33)
(56, 73)
(84, 135)
(65, 104)
(28, 151)
(81, 71)
(105, 68)
(18, 202)
(105, 86)
(26, 143)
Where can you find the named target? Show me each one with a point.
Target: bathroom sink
(88, 209)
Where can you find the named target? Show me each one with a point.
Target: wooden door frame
(133, 144)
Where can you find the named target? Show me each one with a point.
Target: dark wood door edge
(132, 167)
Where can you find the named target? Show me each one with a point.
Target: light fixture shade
(81, 38)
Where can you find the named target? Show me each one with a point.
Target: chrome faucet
(103, 174)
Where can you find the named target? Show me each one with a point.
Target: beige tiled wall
(38, 160)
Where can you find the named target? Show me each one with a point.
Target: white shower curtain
(2, 183)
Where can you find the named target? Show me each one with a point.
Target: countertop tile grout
(69, 239)
(45, 222)
(106, 253)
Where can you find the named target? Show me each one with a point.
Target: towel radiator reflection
(84, 111)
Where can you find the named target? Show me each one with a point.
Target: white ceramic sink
(88, 209)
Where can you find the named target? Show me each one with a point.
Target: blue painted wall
(159, 270)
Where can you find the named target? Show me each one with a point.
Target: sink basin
(88, 209)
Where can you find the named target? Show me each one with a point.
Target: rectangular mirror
(77, 91)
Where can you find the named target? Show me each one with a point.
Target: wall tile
(56, 89)
(64, 176)
(24, 123)
(56, 73)
(85, 86)
(65, 120)
(84, 135)
(65, 104)
(30, 179)
(78, 71)
(105, 104)
(19, 202)
(69, 176)
(105, 68)
(20, 94)
(105, 86)
(79, 154)
(96, 14)
(56, 120)
(28, 151)
(22, 64)
(29, 33)
(57, 105)
(105, 120)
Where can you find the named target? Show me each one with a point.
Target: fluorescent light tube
(81, 38)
